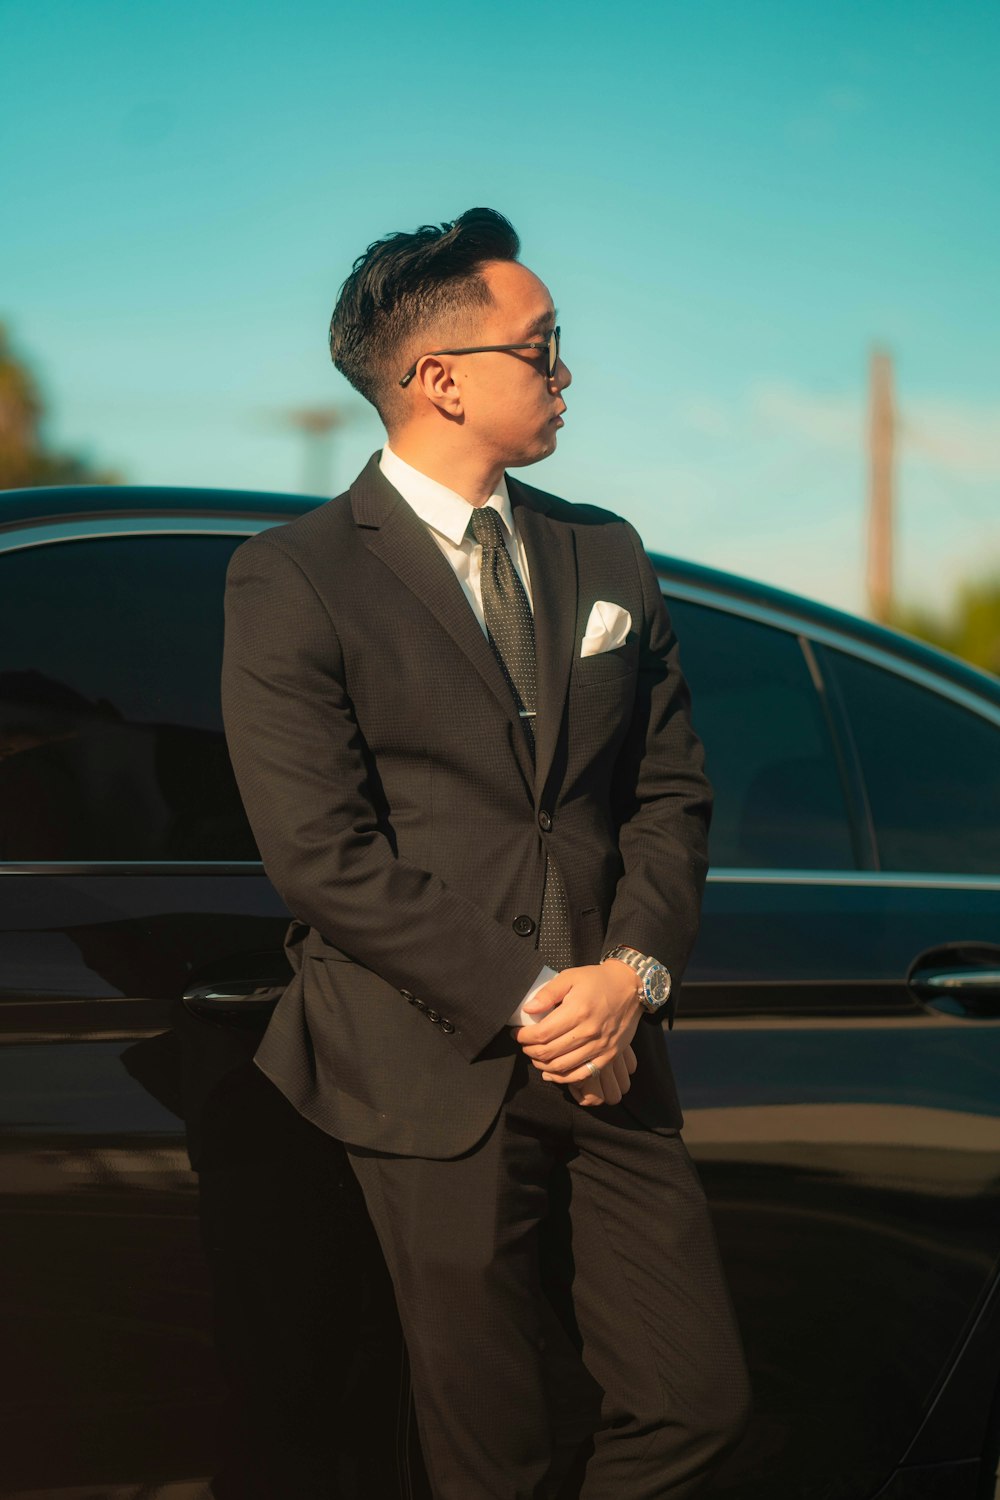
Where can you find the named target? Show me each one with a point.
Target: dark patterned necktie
(511, 629)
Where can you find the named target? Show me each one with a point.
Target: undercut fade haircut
(405, 284)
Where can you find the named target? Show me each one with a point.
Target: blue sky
(730, 202)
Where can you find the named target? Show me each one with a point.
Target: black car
(190, 1286)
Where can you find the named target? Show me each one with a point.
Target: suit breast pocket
(607, 669)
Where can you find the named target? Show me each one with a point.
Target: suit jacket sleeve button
(523, 925)
(432, 1015)
(448, 1026)
(406, 994)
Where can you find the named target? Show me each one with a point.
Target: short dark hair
(406, 282)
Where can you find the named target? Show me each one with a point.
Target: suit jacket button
(545, 821)
(523, 925)
(406, 994)
(432, 1015)
(448, 1026)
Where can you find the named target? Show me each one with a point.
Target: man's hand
(594, 1014)
(611, 1083)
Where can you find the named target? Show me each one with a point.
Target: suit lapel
(551, 553)
(396, 535)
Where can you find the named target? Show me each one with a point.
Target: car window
(111, 739)
(779, 800)
(932, 770)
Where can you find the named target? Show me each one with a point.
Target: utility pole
(881, 441)
(317, 425)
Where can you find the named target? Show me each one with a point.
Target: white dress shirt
(446, 516)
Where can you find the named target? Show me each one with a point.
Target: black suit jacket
(393, 797)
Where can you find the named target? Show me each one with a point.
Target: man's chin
(544, 450)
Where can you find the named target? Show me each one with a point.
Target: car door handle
(234, 999)
(961, 980)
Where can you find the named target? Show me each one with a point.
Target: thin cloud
(957, 438)
(709, 417)
(832, 420)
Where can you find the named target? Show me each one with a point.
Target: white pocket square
(607, 628)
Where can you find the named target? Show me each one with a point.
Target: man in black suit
(456, 713)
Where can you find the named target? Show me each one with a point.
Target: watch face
(658, 985)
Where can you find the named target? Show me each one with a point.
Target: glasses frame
(549, 348)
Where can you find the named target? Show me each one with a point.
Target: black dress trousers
(569, 1328)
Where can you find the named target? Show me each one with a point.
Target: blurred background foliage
(26, 458)
(970, 629)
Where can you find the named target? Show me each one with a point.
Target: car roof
(49, 503)
(706, 583)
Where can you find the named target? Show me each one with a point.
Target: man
(456, 714)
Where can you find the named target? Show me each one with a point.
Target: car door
(838, 1049)
(135, 1289)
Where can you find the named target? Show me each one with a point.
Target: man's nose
(563, 375)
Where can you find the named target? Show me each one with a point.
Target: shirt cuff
(519, 1018)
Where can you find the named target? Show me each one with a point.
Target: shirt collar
(439, 507)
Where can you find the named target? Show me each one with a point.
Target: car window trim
(131, 867)
(91, 528)
(918, 879)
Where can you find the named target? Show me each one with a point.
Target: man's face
(512, 410)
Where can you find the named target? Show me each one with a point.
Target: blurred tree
(971, 630)
(25, 459)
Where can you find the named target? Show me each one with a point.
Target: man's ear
(435, 380)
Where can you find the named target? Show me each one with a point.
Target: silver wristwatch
(654, 979)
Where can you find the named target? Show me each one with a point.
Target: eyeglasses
(550, 348)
